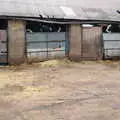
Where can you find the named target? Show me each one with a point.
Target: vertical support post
(75, 38)
(16, 42)
(67, 41)
(47, 47)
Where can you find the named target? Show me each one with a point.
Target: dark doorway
(46, 40)
(3, 42)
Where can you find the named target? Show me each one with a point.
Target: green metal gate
(46, 45)
(111, 45)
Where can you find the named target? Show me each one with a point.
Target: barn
(39, 30)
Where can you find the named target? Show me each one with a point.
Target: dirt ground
(60, 90)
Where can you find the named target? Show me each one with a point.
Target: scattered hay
(11, 89)
(19, 92)
(34, 90)
(28, 92)
(53, 63)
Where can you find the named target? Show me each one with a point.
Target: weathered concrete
(75, 37)
(16, 42)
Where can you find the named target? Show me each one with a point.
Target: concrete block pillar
(16, 42)
(75, 38)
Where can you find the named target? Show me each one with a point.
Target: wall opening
(3, 24)
(111, 28)
(3, 42)
(111, 41)
(44, 27)
(45, 40)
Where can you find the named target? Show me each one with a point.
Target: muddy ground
(60, 90)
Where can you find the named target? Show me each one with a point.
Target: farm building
(38, 30)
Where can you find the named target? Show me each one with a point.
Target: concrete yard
(60, 90)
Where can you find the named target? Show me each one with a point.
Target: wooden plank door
(92, 43)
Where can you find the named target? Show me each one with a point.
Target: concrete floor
(60, 90)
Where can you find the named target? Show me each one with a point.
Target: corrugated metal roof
(64, 9)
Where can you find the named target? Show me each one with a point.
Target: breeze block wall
(75, 40)
(16, 42)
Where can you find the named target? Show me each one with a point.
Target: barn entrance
(46, 41)
(91, 43)
(85, 42)
(3, 42)
(111, 40)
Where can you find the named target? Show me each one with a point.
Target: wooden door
(91, 43)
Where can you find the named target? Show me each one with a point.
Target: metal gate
(111, 45)
(91, 43)
(46, 45)
(3, 47)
